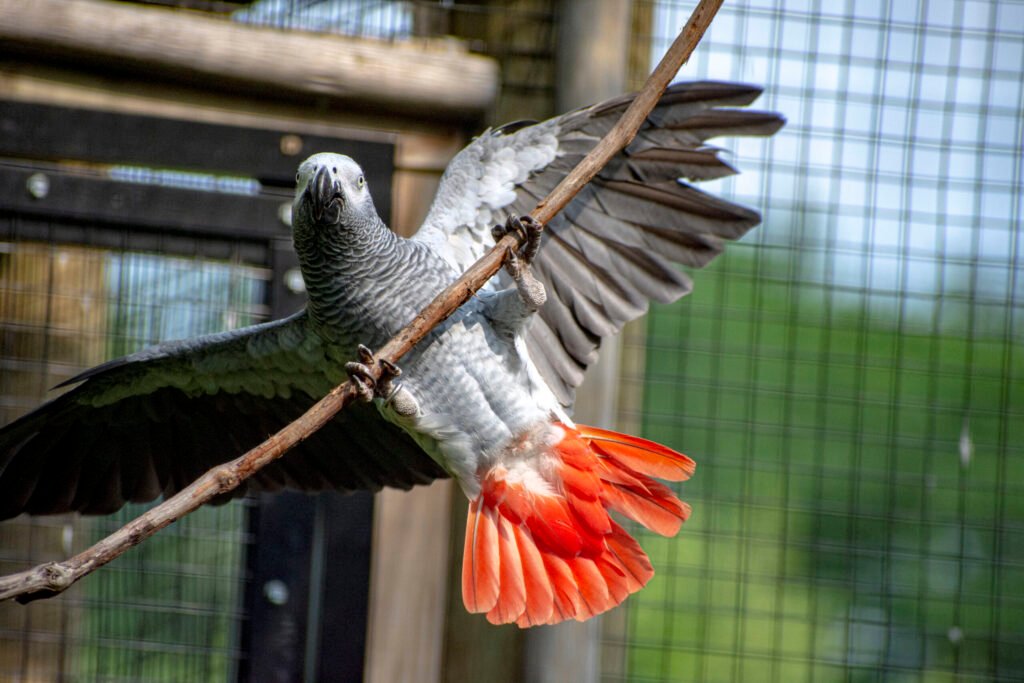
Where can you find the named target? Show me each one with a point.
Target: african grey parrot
(485, 398)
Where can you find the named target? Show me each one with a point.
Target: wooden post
(411, 563)
(593, 44)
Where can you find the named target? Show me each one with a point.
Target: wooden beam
(141, 94)
(592, 53)
(409, 584)
(44, 133)
(435, 79)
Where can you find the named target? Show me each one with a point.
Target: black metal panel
(86, 233)
(35, 131)
(35, 137)
(144, 206)
(346, 563)
(307, 603)
(277, 594)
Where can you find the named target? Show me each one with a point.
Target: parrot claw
(389, 369)
(365, 354)
(513, 265)
(361, 375)
(363, 380)
(517, 263)
(529, 230)
(534, 230)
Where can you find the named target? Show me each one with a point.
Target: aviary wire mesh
(170, 609)
(850, 377)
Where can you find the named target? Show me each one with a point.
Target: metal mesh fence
(850, 377)
(169, 610)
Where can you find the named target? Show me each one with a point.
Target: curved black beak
(324, 194)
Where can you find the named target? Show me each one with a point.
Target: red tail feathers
(540, 545)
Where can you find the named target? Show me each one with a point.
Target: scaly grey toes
(389, 369)
(395, 396)
(511, 225)
(361, 375)
(388, 372)
(529, 230)
(517, 263)
(513, 266)
(531, 290)
(362, 379)
(533, 231)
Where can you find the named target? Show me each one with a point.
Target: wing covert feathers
(541, 546)
(151, 423)
(617, 245)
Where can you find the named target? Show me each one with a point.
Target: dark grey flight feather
(613, 248)
(151, 423)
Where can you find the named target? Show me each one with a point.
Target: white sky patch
(376, 18)
(204, 182)
(899, 172)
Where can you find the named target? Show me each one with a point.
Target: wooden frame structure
(199, 68)
(189, 70)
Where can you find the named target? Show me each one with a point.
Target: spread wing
(151, 423)
(613, 249)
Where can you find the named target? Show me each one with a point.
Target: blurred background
(849, 377)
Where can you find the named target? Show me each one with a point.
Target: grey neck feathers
(344, 266)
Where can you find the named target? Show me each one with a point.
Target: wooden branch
(628, 125)
(51, 578)
(434, 80)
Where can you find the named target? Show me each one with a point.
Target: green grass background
(837, 533)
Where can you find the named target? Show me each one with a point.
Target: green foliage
(836, 531)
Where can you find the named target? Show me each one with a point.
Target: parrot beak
(325, 196)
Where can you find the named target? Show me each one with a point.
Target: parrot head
(331, 190)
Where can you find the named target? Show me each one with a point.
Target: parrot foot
(518, 264)
(394, 394)
(361, 375)
(528, 228)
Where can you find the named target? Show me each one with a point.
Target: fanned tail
(541, 546)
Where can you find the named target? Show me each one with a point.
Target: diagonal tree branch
(51, 578)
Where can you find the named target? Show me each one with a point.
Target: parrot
(486, 398)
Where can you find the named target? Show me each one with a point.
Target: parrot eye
(360, 181)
